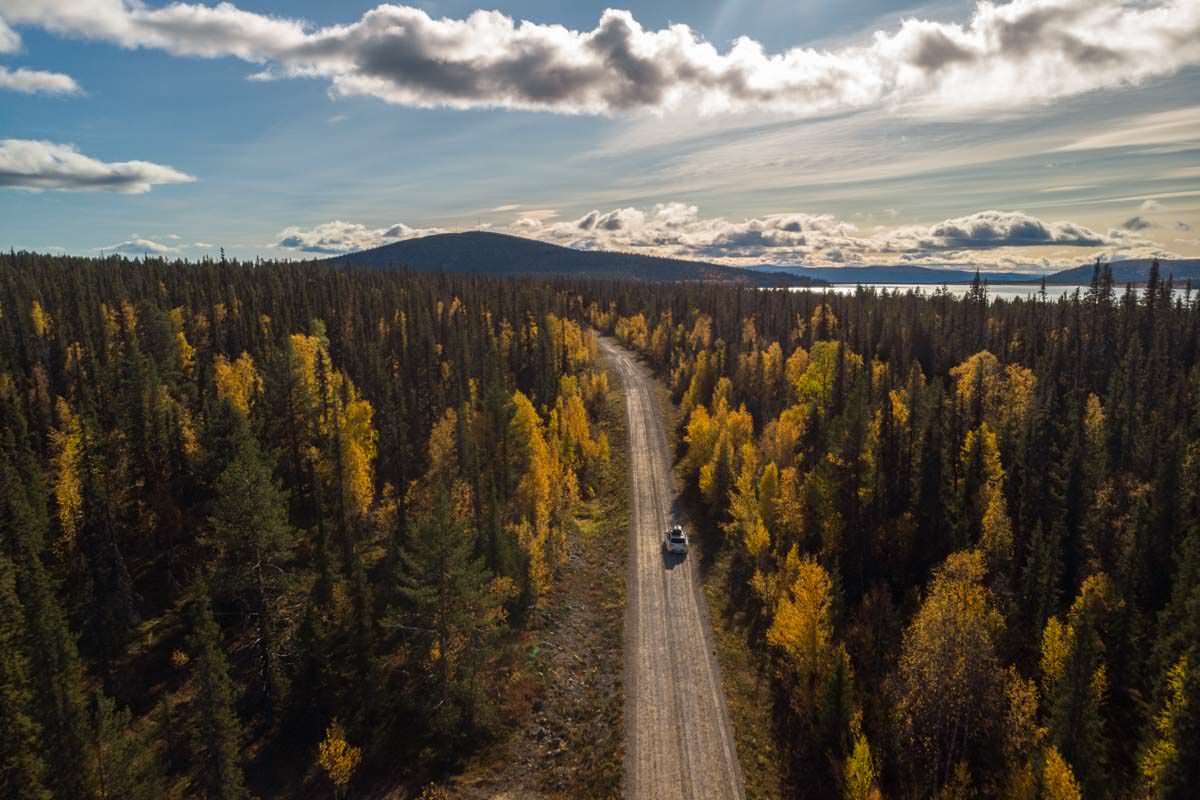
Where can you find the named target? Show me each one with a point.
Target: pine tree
(128, 764)
(453, 604)
(254, 543)
(22, 768)
(216, 732)
(54, 665)
(1075, 682)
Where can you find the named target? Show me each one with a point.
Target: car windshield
(677, 537)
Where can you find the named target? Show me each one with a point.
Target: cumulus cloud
(139, 247)
(337, 237)
(1137, 224)
(1005, 56)
(33, 81)
(678, 229)
(987, 229)
(39, 165)
(1152, 206)
(997, 239)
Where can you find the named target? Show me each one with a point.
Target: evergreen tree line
(966, 531)
(266, 528)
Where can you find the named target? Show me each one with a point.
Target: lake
(1006, 291)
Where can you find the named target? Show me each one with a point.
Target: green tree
(1075, 682)
(22, 768)
(59, 704)
(128, 764)
(254, 544)
(216, 732)
(452, 603)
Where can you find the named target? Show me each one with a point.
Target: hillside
(1134, 271)
(1130, 271)
(500, 254)
(897, 274)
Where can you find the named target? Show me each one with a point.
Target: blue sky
(858, 131)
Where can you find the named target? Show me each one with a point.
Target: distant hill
(899, 273)
(1181, 270)
(1130, 271)
(490, 253)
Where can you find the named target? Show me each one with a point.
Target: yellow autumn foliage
(66, 444)
(1163, 753)
(238, 382)
(42, 321)
(337, 757)
(803, 629)
(1058, 781)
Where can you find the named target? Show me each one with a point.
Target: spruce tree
(216, 732)
(57, 674)
(254, 543)
(22, 768)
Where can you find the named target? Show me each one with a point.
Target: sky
(1028, 135)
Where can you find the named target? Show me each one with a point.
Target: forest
(268, 529)
(966, 531)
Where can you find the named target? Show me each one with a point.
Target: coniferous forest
(966, 533)
(268, 529)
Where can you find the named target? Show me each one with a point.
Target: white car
(675, 540)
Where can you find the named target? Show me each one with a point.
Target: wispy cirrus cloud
(1004, 57)
(39, 165)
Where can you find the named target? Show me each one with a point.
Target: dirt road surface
(679, 743)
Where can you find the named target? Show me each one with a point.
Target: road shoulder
(565, 738)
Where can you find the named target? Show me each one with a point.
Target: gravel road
(679, 743)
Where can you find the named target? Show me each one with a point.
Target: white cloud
(993, 239)
(1180, 126)
(1152, 206)
(37, 165)
(678, 229)
(33, 81)
(10, 40)
(139, 247)
(333, 238)
(1004, 57)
